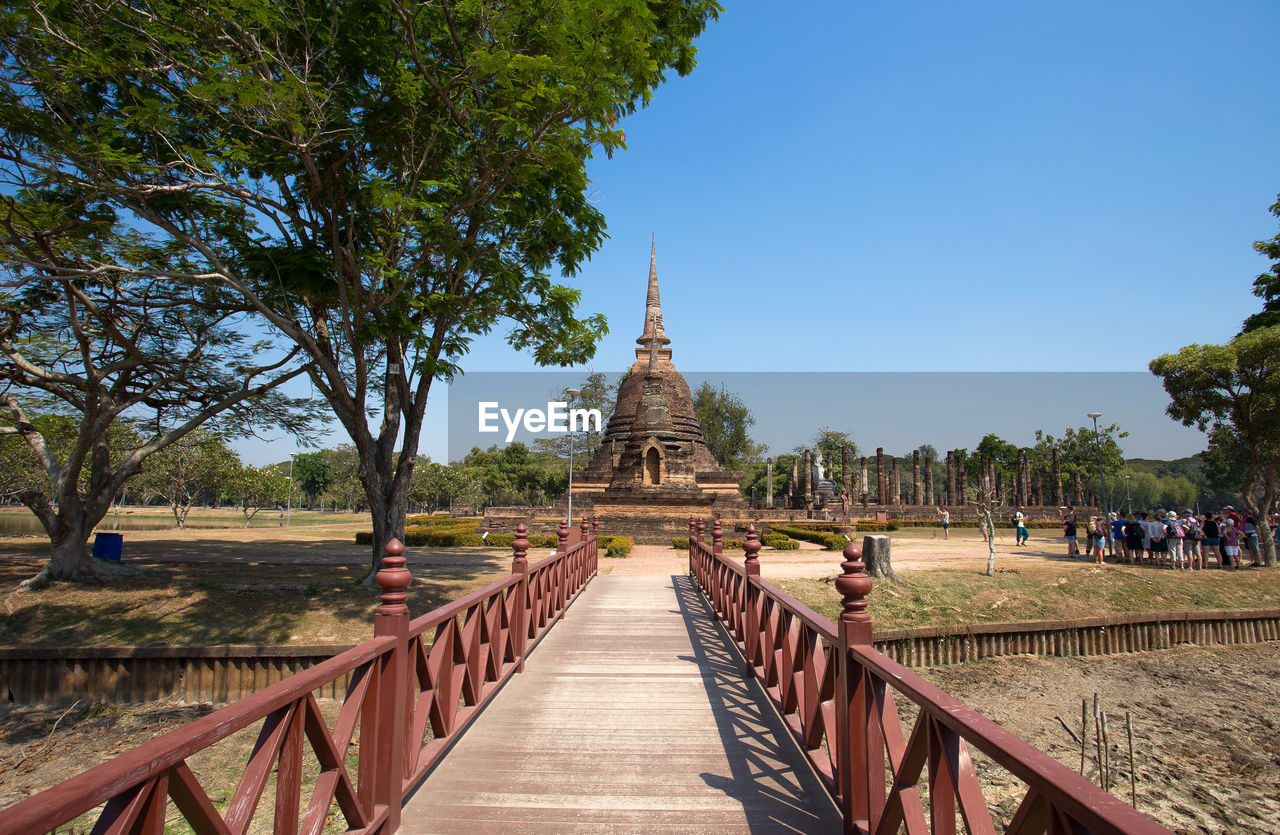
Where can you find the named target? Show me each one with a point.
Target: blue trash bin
(108, 546)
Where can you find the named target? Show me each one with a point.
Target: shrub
(830, 541)
(617, 546)
(779, 542)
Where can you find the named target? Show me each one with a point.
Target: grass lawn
(1051, 591)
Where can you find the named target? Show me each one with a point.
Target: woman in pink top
(1231, 536)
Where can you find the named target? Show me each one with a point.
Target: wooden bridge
(706, 702)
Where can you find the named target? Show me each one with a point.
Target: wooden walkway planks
(631, 716)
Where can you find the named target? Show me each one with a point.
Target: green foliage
(313, 473)
(811, 533)
(725, 422)
(1267, 285)
(595, 392)
(197, 465)
(378, 183)
(1232, 391)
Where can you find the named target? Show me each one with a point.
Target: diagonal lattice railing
(843, 702)
(407, 700)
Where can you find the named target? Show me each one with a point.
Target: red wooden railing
(837, 695)
(408, 697)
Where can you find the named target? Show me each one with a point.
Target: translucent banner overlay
(895, 410)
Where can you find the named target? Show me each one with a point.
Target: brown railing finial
(520, 547)
(751, 547)
(693, 529)
(562, 536)
(702, 528)
(854, 585)
(717, 538)
(595, 526)
(393, 578)
(585, 528)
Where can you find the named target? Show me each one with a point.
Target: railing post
(519, 626)
(717, 539)
(854, 629)
(392, 618)
(595, 545)
(693, 535)
(751, 549)
(702, 526)
(562, 537)
(584, 556)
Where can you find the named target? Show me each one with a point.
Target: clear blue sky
(938, 186)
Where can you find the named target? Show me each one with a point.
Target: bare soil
(1206, 726)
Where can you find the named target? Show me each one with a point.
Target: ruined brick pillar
(1057, 479)
(768, 495)
(882, 494)
(794, 487)
(846, 476)
(962, 480)
(863, 488)
(1037, 489)
(1077, 489)
(951, 478)
(808, 477)
(915, 477)
(1024, 478)
(928, 481)
(896, 492)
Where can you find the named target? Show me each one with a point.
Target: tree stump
(875, 555)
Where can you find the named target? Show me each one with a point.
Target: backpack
(1193, 530)
(1173, 529)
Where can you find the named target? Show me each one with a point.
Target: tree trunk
(989, 526)
(70, 558)
(875, 556)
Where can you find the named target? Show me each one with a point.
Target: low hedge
(779, 542)
(830, 541)
(431, 536)
(681, 543)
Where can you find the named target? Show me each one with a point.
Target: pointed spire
(653, 304)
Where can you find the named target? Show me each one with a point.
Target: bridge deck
(632, 715)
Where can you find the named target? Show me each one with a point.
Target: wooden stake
(1133, 777)
(1084, 730)
(1097, 737)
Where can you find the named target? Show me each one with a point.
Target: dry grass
(1050, 591)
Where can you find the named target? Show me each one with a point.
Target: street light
(1106, 511)
(573, 393)
(1128, 501)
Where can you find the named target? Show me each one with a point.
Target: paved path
(631, 716)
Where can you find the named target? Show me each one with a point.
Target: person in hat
(1174, 536)
(1231, 536)
(1191, 545)
(1211, 544)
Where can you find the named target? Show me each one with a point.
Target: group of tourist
(1182, 541)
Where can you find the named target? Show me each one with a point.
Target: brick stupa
(653, 469)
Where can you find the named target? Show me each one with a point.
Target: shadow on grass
(236, 598)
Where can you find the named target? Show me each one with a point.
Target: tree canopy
(378, 181)
(1232, 391)
(726, 422)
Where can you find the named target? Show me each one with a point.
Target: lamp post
(573, 393)
(289, 501)
(1127, 500)
(1106, 512)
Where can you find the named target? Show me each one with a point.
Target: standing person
(1117, 535)
(1158, 546)
(1235, 516)
(1231, 536)
(1211, 543)
(1146, 554)
(946, 521)
(1020, 522)
(1098, 539)
(1133, 536)
(1191, 545)
(1069, 534)
(1174, 536)
(1251, 541)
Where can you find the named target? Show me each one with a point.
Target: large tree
(381, 180)
(198, 465)
(726, 423)
(1232, 391)
(99, 371)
